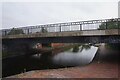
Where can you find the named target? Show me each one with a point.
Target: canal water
(76, 56)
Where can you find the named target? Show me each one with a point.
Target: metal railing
(70, 26)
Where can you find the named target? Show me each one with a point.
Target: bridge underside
(26, 45)
(66, 39)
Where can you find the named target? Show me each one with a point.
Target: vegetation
(44, 30)
(80, 47)
(86, 47)
(111, 24)
(113, 46)
(6, 53)
(75, 48)
(15, 31)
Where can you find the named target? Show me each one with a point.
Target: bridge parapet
(64, 34)
(63, 27)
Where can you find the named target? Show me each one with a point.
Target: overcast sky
(21, 14)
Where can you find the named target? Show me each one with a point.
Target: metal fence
(70, 26)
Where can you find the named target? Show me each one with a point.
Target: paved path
(93, 70)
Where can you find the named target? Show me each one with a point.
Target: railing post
(42, 29)
(28, 31)
(106, 25)
(5, 33)
(60, 28)
(118, 23)
(80, 27)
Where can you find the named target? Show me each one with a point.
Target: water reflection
(83, 55)
(81, 47)
(68, 58)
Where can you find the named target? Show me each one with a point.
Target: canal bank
(93, 70)
(104, 65)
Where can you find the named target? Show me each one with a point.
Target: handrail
(60, 27)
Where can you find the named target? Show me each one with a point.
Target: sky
(21, 14)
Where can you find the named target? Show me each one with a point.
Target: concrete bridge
(88, 36)
(98, 31)
(93, 31)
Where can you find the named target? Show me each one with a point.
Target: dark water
(16, 65)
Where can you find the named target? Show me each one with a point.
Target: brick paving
(93, 70)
